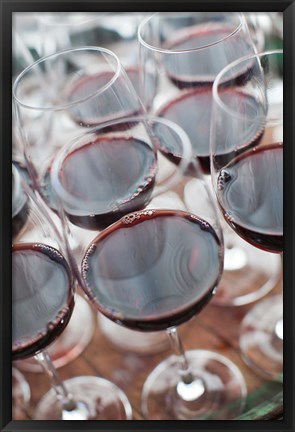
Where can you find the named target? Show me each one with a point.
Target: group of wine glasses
(113, 209)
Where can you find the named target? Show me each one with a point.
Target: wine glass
(154, 269)
(184, 52)
(60, 94)
(43, 298)
(120, 171)
(75, 338)
(91, 87)
(114, 169)
(248, 180)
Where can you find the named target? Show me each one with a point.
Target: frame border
(7, 7)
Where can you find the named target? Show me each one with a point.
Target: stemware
(184, 52)
(56, 98)
(155, 268)
(74, 338)
(247, 175)
(122, 172)
(43, 298)
(62, 93)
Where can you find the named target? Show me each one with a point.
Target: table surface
(215, 328)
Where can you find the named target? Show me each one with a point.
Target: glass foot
(261, 338)
(218, 392)
(71, 343)
(21, 394)
(249, 273)
(96, 398)
(131, 340)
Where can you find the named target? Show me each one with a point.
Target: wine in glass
(43, 299)
(249, 187)
(52, 107)
(154, 269)
(184, 52)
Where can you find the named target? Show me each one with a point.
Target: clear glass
(56, 98)
(125, 177)
(247, 175)
(71, 343)
(180, 56)
(60, 95)
(75, 337)
(156, 277)
(43, 298)
(123, 169)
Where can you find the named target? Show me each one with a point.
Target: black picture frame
(7, 7)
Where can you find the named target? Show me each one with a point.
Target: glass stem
(189, 388)
(65, 398)
(177, 347)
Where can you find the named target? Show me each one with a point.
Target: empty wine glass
(247, 174)
(43, 298)
(183, 53)
(156, 268)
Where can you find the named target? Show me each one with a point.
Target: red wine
(250, 194)
(42, 297)
(118, 173)
(153, 269)
(116, 103)
(192, 111)
(20, 205)
(199, 68)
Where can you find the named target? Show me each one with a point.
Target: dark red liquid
(200, 67)
(192, 111)
(153, 269)
(250, 193)
(42, 297)
(116, 173)
(116, 102)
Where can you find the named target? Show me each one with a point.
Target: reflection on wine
(203, 68)
(42, 297)
(192, 111)
(117, 172)
(250, 193)
(153, 269)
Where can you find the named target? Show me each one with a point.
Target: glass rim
(70, 199)
(183, 51)
(73, 103)
(215, 88)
